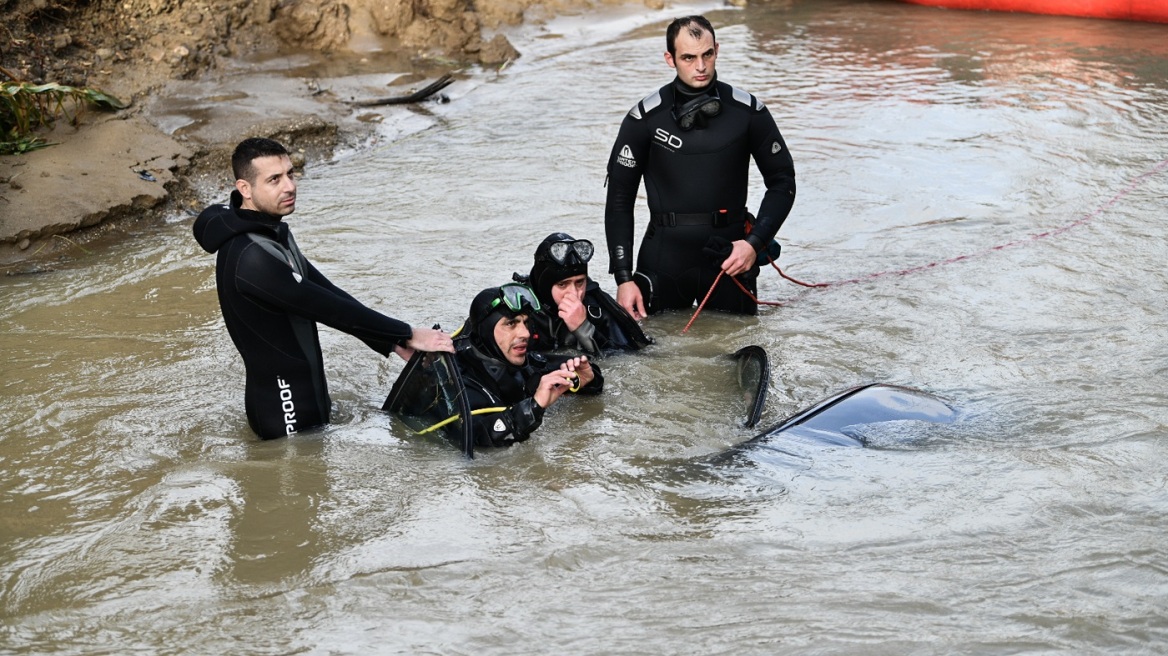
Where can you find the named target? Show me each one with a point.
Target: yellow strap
(480, 411)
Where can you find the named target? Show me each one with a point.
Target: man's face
(511, 335)
(573, 285)
(273, 191)
(694, 58)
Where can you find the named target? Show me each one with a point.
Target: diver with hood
(508, 387)
(577, 313)
(272, 297)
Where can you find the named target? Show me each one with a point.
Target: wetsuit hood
(506, 380)
(480, 325)
(546, 272)
(480, 352)
(218, 224)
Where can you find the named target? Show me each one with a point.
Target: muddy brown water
(138, 513)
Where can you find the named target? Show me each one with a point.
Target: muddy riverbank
(111, 173)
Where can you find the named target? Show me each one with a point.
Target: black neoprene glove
(718, 249)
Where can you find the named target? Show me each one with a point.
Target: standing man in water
(692, 141)
(272, 297)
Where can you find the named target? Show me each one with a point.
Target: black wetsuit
(696, 181)
(272, 298)
(492, 383)
(607, 326)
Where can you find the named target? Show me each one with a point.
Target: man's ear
(244, 188)
(669, 59)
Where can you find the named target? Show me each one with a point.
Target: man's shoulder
(258, 252)
(741, 97)
(648, 105)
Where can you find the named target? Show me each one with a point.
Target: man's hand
(403, 352)
(571, 309)
(552, 386)
(572, 375)
(580, 368)
(628, 295)
(741, 258)
(429, 339)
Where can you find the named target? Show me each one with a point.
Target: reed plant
(27, 107)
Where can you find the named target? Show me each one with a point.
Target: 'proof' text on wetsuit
(287, 406)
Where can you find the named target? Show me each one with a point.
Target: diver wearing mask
(509, 388)
(576, 313)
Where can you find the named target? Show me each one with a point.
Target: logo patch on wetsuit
(626, 157)
(671, 142)
(499, 426)
(776, 147)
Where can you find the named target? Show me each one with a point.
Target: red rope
(797, 282)
(924, 267)
(752, 296)
(1035, 237)
(703, 303)
(740, 286)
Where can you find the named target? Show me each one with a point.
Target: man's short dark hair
(251, 149)
(695, 24)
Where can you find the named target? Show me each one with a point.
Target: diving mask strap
(705, 105)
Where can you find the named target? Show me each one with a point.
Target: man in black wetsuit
(692, 141)
(577, 314)
(510, 387)
(272, 297)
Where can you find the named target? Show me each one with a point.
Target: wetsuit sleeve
(319, 278)
(778, 174)
(597, 384)
(514, 423)
(517, 422)
(586, 336)
(267, 279)
(626, 165)
(378, 344)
